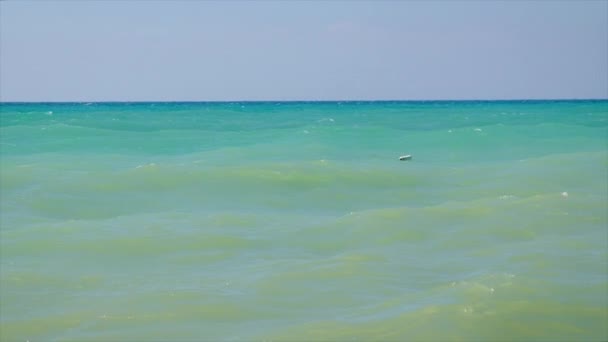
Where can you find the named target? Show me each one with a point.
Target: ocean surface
(296, 221)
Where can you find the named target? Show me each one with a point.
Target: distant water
(297, 221)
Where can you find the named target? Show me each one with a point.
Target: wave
(55, 185)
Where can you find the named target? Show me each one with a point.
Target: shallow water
(296, 221)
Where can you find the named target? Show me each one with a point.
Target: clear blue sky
(308, 50)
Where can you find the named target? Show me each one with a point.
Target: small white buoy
(406, 157)
(564, 194)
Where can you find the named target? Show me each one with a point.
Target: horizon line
(308, 101)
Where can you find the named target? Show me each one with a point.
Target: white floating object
(406, 157)
(564, 194)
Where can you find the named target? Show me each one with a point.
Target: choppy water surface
(297, 221)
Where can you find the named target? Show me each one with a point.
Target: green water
(297, 221)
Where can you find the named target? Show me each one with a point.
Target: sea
(297, 221)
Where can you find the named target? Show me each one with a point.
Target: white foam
(146, 165)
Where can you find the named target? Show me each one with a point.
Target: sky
(302, 50)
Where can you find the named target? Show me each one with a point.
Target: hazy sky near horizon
(302, 50)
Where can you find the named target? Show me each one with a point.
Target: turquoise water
(297, 221)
